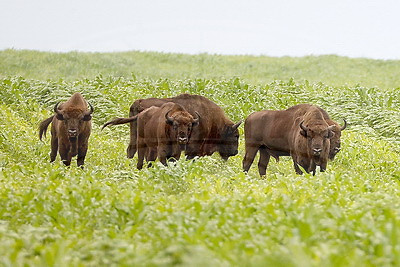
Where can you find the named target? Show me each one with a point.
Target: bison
(70, 130)
(335, 145)
(215, 133)
(300, 132)
(162, 132)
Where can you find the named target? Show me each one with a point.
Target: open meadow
(205, 212)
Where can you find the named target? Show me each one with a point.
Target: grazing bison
(215, 133)
(70, 130)
(162, 132)
(300, 132)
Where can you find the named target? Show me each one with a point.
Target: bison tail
(117, 121)
(43, 126)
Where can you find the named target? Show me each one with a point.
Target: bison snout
(337, 149)
(317, 151)
(182, 140)
(72, 133)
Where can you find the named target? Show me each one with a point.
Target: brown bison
(215, 133)
(335, 145)
(162, 132)
(70, 130)
(299, 131)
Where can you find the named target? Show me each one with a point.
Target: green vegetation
(332, 70)
(207, 211)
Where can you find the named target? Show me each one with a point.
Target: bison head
(229, 141)
(73, 119)
(335, 140)
(182, 124)
(318, 138)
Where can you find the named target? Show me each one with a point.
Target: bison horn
(235, 126)
(91, 110)
(304, 128)
(56, 110)
(169, 119)
(59, 115)
(344, 126)
(197, 119)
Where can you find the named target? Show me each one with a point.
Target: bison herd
(163, 128)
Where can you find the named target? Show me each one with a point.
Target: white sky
(355, 28)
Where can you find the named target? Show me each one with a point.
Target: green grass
(330, 69)
(205, 212)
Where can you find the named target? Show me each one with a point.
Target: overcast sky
(355, 28)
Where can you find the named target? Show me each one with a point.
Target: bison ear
(87, 117)
(330, 131)
(303, 129)
(169, 119)
(60, 116)
(196, 121)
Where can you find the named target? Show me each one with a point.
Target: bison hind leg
(141, 154)
(131, 151)
(263, 161)
(54, 148)
(251, 151)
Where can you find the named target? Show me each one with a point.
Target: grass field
(205, 212)
(330, 69)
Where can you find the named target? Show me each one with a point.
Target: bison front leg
(64, 154)
(297, 168)
(82, 150)
(163, 158)
(296, 165)
(193, 149)
(175, 154)
(263, 161)
(323, 165)
(312, 167)
(251, 151)
(162, 153)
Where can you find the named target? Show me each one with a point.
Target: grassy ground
(203, 212)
